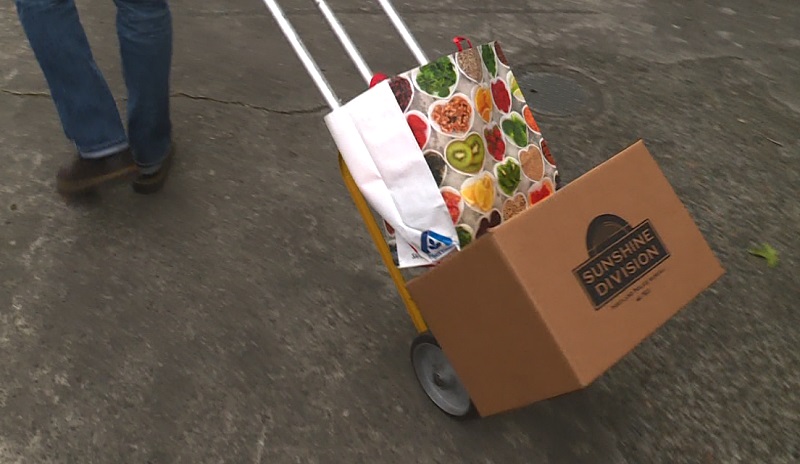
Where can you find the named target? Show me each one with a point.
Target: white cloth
(389, 168)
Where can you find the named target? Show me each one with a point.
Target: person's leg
(145, 36)
(81, 95)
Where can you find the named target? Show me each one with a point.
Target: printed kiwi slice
(478, 150)
(459, 155)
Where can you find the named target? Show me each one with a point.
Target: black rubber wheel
(438, 379)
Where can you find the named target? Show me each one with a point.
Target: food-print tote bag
(445, 152)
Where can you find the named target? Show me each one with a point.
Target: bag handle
(458, 39)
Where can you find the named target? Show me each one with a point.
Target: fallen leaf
(767, 252)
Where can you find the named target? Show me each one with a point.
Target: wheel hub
(439, 380)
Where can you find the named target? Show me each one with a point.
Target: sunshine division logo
(619, 256)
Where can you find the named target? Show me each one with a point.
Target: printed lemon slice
(480, 193)
(515, 90)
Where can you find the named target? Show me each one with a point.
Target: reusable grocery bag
(465, 148)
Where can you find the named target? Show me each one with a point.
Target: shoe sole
(71, 188)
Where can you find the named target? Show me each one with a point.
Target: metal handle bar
(302, 53)
(401, 27)
(355, 56)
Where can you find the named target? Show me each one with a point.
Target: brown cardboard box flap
(550, 300)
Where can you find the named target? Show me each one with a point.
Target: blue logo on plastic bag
(436, 245)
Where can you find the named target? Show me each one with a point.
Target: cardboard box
(546, 303)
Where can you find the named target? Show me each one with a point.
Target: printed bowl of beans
(514, 206)
(403, 91)
(470, 64)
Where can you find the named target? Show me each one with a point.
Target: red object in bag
(377, 78)
(458, 39)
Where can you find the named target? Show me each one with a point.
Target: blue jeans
(84, 102)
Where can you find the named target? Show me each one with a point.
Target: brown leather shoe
(85, 174)
(147, 184)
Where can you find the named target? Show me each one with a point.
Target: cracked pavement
(242, 316)
(316, 109)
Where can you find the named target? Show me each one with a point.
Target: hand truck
(434, 372)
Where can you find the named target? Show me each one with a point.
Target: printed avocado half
(467, 155)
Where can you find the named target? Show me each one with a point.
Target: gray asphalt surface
(243, 316)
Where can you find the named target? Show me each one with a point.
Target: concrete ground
(242, 316)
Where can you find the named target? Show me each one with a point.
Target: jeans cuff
(103, 152)
(151, 166)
